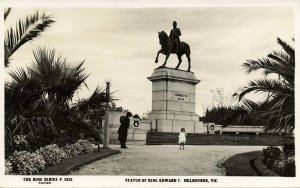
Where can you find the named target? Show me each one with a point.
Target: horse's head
(162, 37)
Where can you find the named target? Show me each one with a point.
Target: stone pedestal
(173, 101)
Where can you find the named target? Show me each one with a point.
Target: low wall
(211, 128)
(219, 139)
(142, 134)
(134, 137)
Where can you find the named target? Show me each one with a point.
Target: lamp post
(106, 124)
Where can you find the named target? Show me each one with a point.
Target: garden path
(167, 160)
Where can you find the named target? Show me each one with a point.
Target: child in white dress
(182, 138)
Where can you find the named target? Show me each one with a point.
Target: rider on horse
(172, 45)
(174, 35)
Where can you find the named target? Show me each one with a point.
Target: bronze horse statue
(168, 47)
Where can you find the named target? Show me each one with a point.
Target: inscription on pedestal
(177, 96)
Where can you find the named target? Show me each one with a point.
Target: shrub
(20, 142)
(262, 169)
(290, 168)
(270, 154)
(39, 142)
(52, 154)
(85, 146)
(285, 166)
(280, 161)
(71, 150)
(78, 148)
(288, 150)
(91, 140)
(26, 163)
(62, 140)
(8, 167)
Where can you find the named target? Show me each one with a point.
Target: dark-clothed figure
(123, 130)
(174, 35)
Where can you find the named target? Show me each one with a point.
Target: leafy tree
(221, 108)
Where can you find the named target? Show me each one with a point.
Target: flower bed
(52, 154)
(280, 160)
(25, 163)
(28, 163)
(78, 148)
(262, 169)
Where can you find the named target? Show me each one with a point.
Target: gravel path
(167, 160)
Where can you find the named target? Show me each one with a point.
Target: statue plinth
(173, 101)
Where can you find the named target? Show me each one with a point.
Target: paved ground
(165, 160)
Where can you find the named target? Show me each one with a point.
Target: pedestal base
(173, 101)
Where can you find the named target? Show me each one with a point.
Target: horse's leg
(158, 52)
(167, 57)
(179, 62)
(189, 60)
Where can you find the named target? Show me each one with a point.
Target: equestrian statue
(171, 44)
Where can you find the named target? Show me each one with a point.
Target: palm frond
(276, 112)
(19, 75)
(287, 48)
(32, 126)
(248, 105)
(47, 66)
(267, 86)
(282, 58)
(6, 13)
(270, 67)
(254, 65)
(278, 122)
(95, 101)
(25, 30)
(285, 66)
(241, 113)
(56, 73)
(71, 80)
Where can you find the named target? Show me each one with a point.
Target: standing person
(182, 138)
(174, 35)
(123, 129)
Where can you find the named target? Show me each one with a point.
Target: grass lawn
(73, 163)
(242, 164)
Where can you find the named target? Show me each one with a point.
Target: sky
(120, 45)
